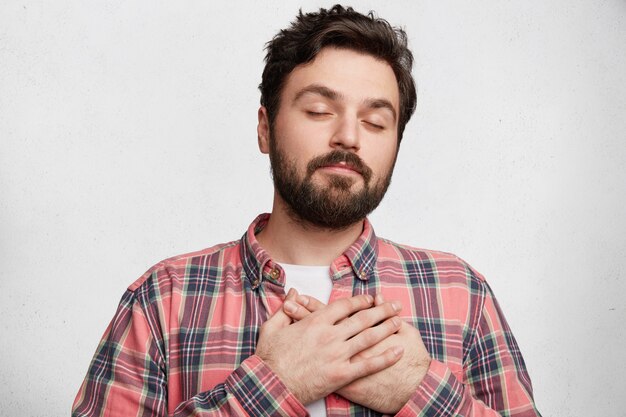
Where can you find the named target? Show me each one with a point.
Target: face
(334, 140)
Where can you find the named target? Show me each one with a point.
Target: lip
(341, 168)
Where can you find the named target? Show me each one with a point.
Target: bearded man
(310, 313)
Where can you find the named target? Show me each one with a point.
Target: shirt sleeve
(495, 380)
(128, 377)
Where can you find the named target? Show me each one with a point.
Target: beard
(333, 206)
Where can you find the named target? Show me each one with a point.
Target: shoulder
(177, 267)
(451, 284)
(445, 265)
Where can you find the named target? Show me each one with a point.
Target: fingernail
(369, 298)
(290, 306)
(395, 321)
(379, 298)
(290, 292)
(397, 306)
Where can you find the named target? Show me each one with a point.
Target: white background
(127, 135)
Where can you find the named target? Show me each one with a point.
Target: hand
(388, 390)
(312, 357)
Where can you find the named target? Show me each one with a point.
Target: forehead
(356, 76)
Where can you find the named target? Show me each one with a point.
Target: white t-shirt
(314, 281)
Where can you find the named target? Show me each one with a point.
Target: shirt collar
(258, 264)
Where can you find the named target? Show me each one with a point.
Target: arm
(495, 381)
(128, 375)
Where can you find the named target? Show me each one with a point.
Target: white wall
(127, 135)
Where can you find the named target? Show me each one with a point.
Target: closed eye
(374, 125)
(318, 114)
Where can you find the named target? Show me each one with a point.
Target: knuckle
(370, 366)
(366, 299)
(351, 322)
(359, 301)
(393, 323)
(351, 303)
(303, 313)
(389, 309)
(370, 337)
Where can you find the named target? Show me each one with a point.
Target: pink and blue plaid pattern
(183, 339)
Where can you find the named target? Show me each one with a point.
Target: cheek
(382, 159)
(298, 138)
(308, 145)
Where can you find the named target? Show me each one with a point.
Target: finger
(345, 307)
(302, 307)
(279, 319)
(377, 363)
(291, 294)
(310, 303)
(379, 299)
(370, 337)
(368, 318)
(295, 310)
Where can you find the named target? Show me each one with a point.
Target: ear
(263, 130)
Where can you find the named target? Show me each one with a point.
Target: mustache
(335, 157)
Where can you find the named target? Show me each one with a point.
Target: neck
(298, 243)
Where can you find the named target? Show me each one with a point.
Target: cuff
(260, 392)
(439, 394)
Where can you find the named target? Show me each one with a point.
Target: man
(368, 327)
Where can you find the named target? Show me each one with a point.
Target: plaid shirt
(183, 339)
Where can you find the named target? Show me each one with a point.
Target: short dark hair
(341, 28)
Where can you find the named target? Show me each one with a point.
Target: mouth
(342, 167)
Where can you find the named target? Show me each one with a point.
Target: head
(357, 69)
(341, 28)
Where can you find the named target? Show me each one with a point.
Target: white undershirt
(314, 281)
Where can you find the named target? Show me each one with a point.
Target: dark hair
(342, 28)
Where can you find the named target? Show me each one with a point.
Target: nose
(346, 134)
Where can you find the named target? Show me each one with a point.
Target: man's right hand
(312, 357)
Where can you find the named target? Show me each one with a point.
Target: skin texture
(316, 355)
(388, 390)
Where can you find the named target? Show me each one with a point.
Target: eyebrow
(319, 90)
(373, 103)
(381, 103)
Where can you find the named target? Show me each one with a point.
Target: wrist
(260, 391)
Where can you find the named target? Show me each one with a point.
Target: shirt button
(274, 273)
(255, 283)
(363, 274)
